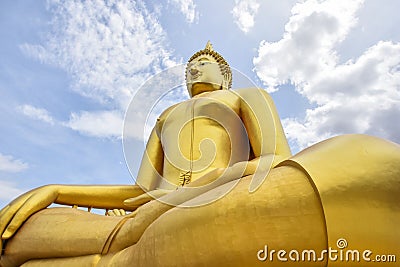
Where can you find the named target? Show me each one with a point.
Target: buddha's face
(203, 74)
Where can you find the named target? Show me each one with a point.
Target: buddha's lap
(283, 212)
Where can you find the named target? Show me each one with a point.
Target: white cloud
(109, 49)
(98, 124)
(36, 113)
(9, 191)
(102, 124)
(9, 164)
(244, 12)
(358, 96)
(313, 30)
(188, 9)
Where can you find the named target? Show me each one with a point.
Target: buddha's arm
(151, 168)
(150, 173)
(265, 132)
(97, 196)
(263, 126)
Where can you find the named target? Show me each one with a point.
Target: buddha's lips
(196, 76)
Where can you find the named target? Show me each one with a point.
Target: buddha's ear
(189, 89)
(226, 81)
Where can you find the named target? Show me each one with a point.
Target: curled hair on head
(223, 65)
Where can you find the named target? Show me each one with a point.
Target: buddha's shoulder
(168, 110)
(249, 91)
(252, 94)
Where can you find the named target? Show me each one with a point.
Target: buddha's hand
(18, 211)
(146, 197)
(116, 212)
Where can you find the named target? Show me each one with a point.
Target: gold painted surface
(358, 180)
(346, 187)
(284, 213)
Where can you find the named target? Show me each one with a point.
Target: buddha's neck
(199, 88)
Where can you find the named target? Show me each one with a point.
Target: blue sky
(68, 70)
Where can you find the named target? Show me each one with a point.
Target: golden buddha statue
(228, 190)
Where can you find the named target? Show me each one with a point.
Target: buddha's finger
(1, 240)
(33, 204)
(6, 216)
(117, 212)
(122, 212)
(4, 221)
(4, 210)
(15, 204)
(137, 201)
(10, 210)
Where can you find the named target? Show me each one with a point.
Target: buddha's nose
(193, 71)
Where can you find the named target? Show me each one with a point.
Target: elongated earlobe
(226, 81)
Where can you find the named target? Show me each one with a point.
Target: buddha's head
(207, 71)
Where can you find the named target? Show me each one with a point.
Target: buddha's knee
(284, 213)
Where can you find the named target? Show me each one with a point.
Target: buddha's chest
(216, 108)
